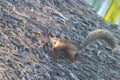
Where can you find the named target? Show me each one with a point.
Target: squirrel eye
(54, 43)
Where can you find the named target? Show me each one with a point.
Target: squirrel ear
(50, 38)
(50, 35)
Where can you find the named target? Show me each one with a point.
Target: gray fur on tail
(100, 34)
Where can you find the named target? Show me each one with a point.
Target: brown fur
(71, 48)
(59, 44)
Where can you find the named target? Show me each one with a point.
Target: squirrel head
(52, 42)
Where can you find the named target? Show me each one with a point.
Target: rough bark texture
(24, 25)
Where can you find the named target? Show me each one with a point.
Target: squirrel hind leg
(71, 55)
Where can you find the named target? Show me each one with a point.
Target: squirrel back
(100, 34)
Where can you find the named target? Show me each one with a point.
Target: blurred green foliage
(108, 9)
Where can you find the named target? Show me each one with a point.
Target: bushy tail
(100, 34)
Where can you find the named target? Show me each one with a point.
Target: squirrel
(72, 48)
